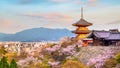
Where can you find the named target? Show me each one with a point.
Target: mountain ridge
(37, 34)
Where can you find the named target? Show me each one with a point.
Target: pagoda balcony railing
(81, 31)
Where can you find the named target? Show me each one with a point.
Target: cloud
(92, 3)
(25, 1)
(92, 0)
(43, 1)
(50, 16)
(35, 16)
(88, 3)
(54, 20)
(22, 26)
(5, 23)
(59, 0)
(77, 2)
(115, 22)
(30, 1)
(40, 1)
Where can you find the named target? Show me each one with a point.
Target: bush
(117, 58)
(3, 50)
(110, 63)
(38, 65)
(51, 45)
(73, 64)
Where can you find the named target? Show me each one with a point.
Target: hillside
(86, 53)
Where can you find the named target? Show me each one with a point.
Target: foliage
(10, 56)
(65, 44)
(3, 50)
(19, 57)
(75, 58)
(64, 54)
(50, 45)
(99, 61)
(117, 58)
(66, 41)
(73, 64)
(25, 62)
(49, 56)
(110, 63)
(13, 64)
(4, 63)
(54, 64)
(44, 65)
(38, 65)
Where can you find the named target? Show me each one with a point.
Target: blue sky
(18, 15)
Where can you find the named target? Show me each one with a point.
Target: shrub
(110, 63)
(51, 45)
(3, 50)
(73, 64)
(117, 58)
(75, 58)
(43, 65)
(38, 65)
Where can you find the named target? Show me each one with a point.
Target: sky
(18, 15)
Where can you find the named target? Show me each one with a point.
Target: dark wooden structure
(105, 38)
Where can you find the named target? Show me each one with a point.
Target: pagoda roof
(82, 22)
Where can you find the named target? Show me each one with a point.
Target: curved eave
(82, 22)
(81, 25)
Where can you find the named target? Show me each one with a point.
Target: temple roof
(106, 35)
(101, 34)
(113, 36)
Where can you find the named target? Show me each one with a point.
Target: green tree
(13, 64)
(3, 63)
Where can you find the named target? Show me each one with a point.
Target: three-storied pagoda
(82, 31)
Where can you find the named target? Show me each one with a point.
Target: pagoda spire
(81, 12)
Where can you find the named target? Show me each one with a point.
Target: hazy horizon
(18, 15)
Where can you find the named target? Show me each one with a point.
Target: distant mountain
(2, 35)
(37, 34)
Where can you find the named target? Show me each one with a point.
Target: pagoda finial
(81, 12)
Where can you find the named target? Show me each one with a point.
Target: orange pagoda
(82, 31)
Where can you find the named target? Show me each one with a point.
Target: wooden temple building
(105, 38)
(101, 37)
